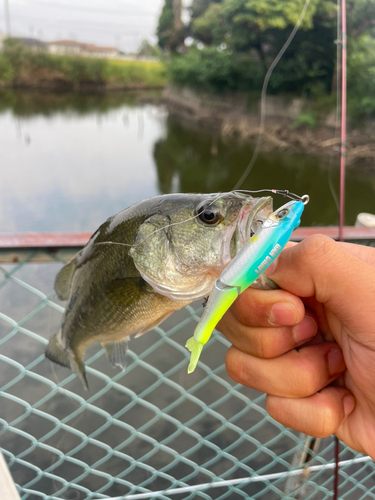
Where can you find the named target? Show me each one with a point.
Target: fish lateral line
(282, 192)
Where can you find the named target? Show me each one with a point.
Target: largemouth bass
(145, 263)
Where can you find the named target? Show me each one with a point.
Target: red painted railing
(68, 240)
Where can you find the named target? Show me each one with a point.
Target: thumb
(321, 268)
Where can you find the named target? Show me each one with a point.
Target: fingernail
(349, 403)
(305, 330)
(271, 268)
(336, 363)
(283, 314)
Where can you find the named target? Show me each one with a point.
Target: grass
(151, 73)
(19, 66)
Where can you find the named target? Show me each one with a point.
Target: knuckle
(317, 246)
(327, 422)
(306, 385)
(265, 347)
(234, 366)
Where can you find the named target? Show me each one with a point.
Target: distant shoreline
(57, 85)
(231, 116)
(22, 68)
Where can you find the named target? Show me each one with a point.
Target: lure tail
(221, 298)
(195, 348)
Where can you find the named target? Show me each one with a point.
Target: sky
(120, 23)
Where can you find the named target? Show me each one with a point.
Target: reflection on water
(69, 161)
(204, 162)
(70, 169)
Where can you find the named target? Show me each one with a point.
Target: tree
(170, 31)
(148, 50)
(256, 30)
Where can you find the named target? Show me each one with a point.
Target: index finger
(265, 308)
(320, 267)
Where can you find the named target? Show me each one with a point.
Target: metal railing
(151, 431)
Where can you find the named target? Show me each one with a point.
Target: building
(33, 44)
(71, 47)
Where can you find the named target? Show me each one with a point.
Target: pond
(70, 161)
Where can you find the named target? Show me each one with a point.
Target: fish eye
(282, 213)
(209, 215)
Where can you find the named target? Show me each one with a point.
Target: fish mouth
(251, 218)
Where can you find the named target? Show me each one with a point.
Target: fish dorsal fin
(64, 279)
(125, 292)
(116, 352)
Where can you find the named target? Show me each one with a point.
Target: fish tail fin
(195, 348)
(56, 353)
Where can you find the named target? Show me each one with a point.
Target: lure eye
(209, 215)
(282, 213)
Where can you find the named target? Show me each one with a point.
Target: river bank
(21, 68)
(287, 126)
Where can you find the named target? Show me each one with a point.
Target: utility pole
(7, 18)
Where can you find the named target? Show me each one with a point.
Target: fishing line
(282, 192)
(264, 96)
(338, 42)
(259, 138)
(162, 228)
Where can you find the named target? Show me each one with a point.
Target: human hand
(311, 345)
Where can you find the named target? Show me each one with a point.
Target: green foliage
(306, 119)
(6, 70)
(360, 18)
(254, 31)
(361, 76)
(165, 25)
(148, 50)
(199, 6)
(215, 70)
(20, 64)
(244, 23)
(137, 73)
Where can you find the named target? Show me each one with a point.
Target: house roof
(84, 46)
(31, 42)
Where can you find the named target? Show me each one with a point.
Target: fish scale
(142, 265)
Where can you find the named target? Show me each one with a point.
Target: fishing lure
(250, 262)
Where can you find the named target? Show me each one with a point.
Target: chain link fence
(151, 431)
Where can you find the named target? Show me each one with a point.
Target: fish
(145, 263)
(245, 268)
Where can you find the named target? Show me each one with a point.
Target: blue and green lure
(245, 268)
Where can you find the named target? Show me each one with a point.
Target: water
(67, 163)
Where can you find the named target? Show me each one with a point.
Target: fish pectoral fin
(195, 348)
(125, 292)
(116, 352)
(63, 280)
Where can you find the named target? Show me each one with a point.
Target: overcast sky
(120, 23)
